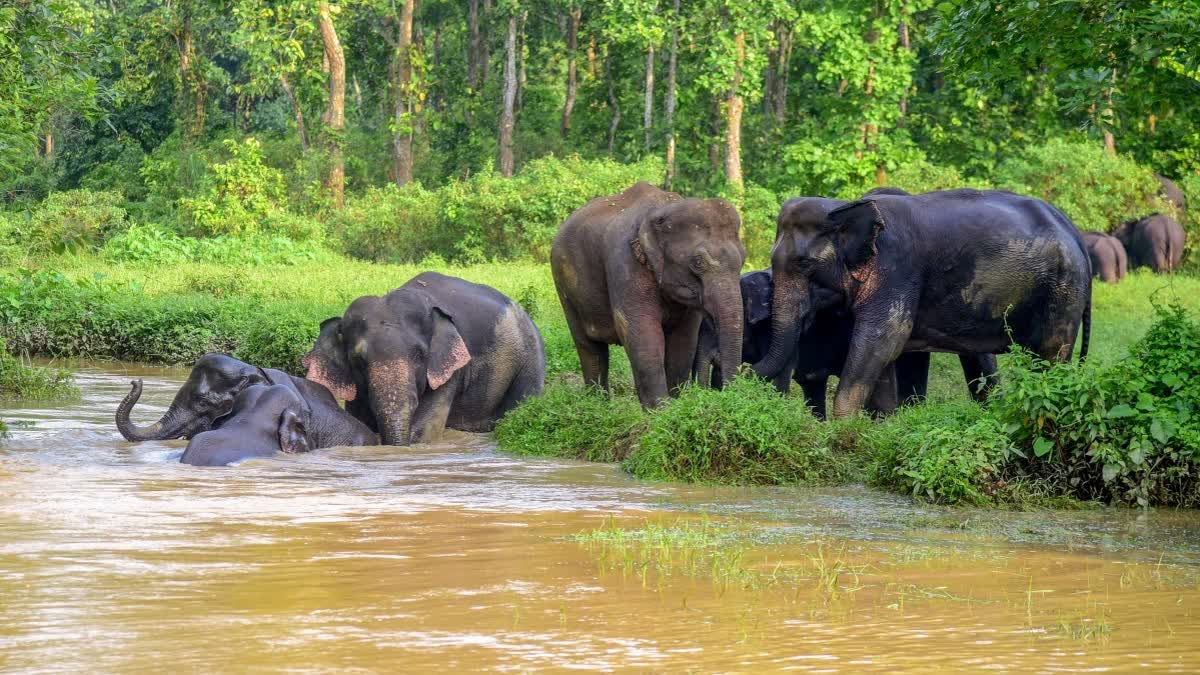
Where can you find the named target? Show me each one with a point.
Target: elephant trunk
(393, 400)
(789, 305)
(170, 426)
(725, 307)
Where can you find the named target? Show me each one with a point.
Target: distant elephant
(822, 349)
(265, 420)
(1172, 193)
(1155, 241)
(641, 269)
(1109, 261)
(207, 398)
(960, 271)
(437, 352)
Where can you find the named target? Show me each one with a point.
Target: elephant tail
(1086, 333)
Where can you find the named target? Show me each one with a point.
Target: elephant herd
(1156, 241)
(863, 290)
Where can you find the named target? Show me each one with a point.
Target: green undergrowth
(24, 382)
(573, 421)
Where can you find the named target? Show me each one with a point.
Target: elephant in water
(265, 420)
(437, 352)
(642, 269)
(207, 398)
(1109, 260)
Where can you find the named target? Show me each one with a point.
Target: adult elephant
(641, 269)
(1156, 241)
(208, 395)
(821, 351)
(1171, 192)
(265, 420)
(948, 271)
(437, 352)
(1107, 253)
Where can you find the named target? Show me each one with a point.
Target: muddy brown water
(113, 557)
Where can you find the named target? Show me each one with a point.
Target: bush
(573, 422)
(758, 207)
(21, 381)
(236, 196)
(1094, 190)
(72, 221)
(393, 225)
(744, 434)
(153, 245)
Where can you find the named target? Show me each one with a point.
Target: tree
(672, 67)
(403, 104)
(334, 118)
(574, 14)
(507, 121)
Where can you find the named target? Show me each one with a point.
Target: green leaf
(1121, 410)
(1136, 456)
(1145, 402)
(1111, 471)
(1159, 431)
(1042, 446)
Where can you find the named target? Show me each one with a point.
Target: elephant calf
(1109, 261)
(265, 419)
(1155, 241)
(437, 352)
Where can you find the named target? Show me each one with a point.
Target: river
(114, 557)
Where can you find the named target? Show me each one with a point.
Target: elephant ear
(293, 437)
(857, 226)
(447, 350)
(646, 247)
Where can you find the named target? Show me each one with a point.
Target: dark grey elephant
(822, 348)
(207, 398)
(437, 352)
(951, 271)
(642, 269)
(1156, 241)
(265, 420)
(1109, 261)
(1172, 193)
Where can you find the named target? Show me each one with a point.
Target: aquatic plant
(22, 381)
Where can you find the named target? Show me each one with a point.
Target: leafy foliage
(572, 422)
(71, 221)
(21, 381)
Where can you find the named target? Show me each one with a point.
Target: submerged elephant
(822, 348)
(1109, 260)
(1156, 241)
(641, 269)
(207, 398)
(265, 420)
(958, 271)
(437, 352)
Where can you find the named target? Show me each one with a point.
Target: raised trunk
(402, 111)
(727, 301)
(648, 112)
(733, 116)
(335, 114)
(170, 426)
(510, 95)
(572, 46)
(672, 61)
(789, 304)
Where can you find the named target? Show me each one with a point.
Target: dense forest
(198, 118)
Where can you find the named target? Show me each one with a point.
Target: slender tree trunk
(572, 47)
(781, 79)
(715, 131)
(473, 41)
(296, 111)
(510, 95)
(648, 111)
(733, 116)
(335, 113)
(49, 144)
(591, 56)
(613, 104)
(672, 62)
(485, 53)
(435, 101)
(1110, 142)
(402, 119)
(905, 44)
(521, 46)
(192, 90)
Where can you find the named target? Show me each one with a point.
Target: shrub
(1094, 190)
(235, 196)
(72, 221)
(22, 381)
(574, 422)
(153, 245)
(393, 225)
(743, 434)
(758, 208)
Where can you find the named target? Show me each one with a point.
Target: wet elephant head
(694, 251)
(393, 351)
(206, 397)
(265, 420)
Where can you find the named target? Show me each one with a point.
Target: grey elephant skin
(265, 420)
(1107, 253)
(642, 269)
(1156, 241)
(948, 271)
(821, 351)
(1172, 193)
(437, 352)
(207, 398)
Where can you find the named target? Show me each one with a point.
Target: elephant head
(265, 420)
(393, 351)
(693, 249)
(206, 397)
(820, 245)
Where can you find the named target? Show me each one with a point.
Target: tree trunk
(299, 114)
(49, 144)
(473, 48)
(485, 51)
(672, 61)
(521, 81)
(733, 116)
(402, 110)
(613, 104)
(192, 92)
(335, 114)
(905, 44)
(648, 111)
(435, 101)
(572, 46)
(1110, 142)
(510, 95)
(714, 135)
(781, 78)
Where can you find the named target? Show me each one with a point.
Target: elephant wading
(641, 269)
(1156, 241)
(266, 419)
(207, 398)
(821, 351)
(947, 271)
(1107, 253)
(437, 352)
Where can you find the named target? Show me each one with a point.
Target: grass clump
(20, 381)
(572, 421)
(743, 434)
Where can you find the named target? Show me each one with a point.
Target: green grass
(20, 381)
(571, 421)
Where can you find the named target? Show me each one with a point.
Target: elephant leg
(360, 409)
(593, 356)
(645, 345)
(680, 344)
(880, 333)
(912, 377)
(884, 399)
(429, 420)
(980, 373)
(783, 380)
(814, 395)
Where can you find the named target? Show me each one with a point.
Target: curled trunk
(727, 315)
(170, 426)
(789, 305)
